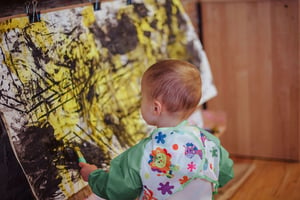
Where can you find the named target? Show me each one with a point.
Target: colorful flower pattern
(160, 138)
(176, 157)
(191, 166)
(166, 188)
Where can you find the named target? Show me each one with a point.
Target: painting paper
(73, 79)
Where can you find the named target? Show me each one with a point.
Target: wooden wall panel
(253, 48)
(285, 77)
(299, 74)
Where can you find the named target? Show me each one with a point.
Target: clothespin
(33, 14)
(96, 5)
(27, 9)
(27, 6)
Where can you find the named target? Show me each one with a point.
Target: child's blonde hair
(176, 83)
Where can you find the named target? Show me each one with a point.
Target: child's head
(173, 83)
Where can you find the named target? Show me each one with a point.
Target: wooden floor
(274, 180)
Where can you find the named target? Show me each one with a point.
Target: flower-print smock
(163, 164)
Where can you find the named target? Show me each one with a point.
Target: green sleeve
(123, 179)
(226, 167)
(226, 164)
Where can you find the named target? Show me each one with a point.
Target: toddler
(177, 160)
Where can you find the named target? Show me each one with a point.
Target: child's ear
(157, 107)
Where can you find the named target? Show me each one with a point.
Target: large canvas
(73, 79)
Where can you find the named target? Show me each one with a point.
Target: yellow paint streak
(15, 23)
(40, 35)
(88, 16)
(66, 185)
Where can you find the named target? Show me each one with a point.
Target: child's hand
(86, 169)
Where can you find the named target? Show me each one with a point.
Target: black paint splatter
(119, 39)
(140, 9)
(38, 153)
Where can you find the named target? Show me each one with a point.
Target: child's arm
(123, 179)
(86, 169)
